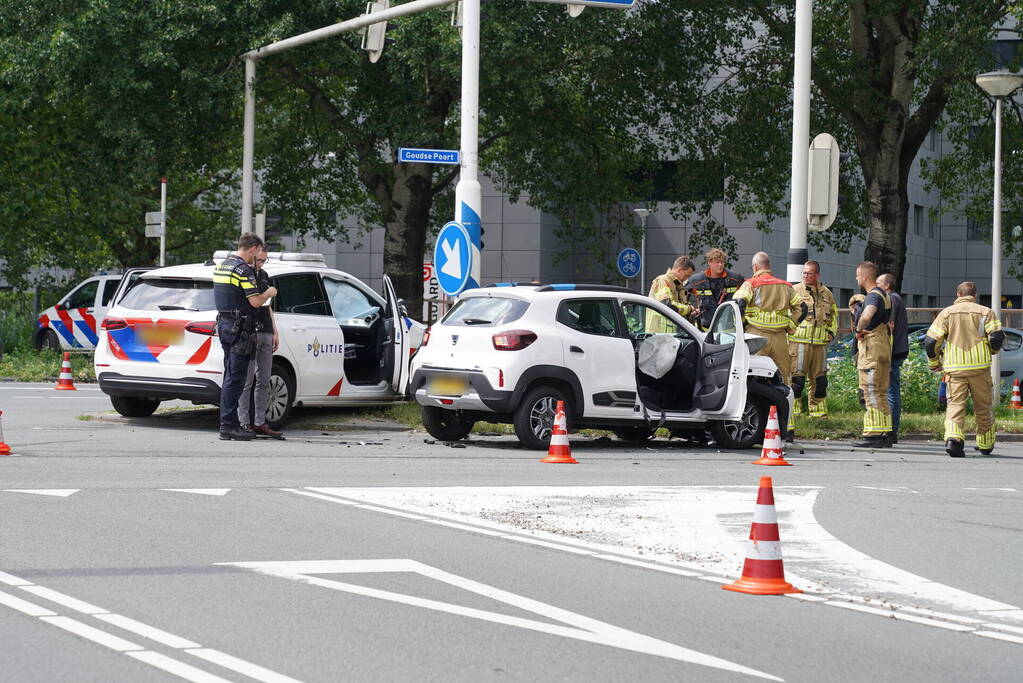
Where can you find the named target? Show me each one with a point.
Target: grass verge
(44, 366)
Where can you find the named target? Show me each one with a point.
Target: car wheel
(280, 394)
(47, 339)
(633, 434)
(445, 425)
(534, 416)
(134, 406)
(747, 430)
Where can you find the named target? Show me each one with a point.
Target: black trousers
(236, 366)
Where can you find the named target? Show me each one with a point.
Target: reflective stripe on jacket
(671, 292)
(821, 322)
(770, 302)
(961, 332)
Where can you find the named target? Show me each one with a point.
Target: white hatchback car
(72, 323)
(341, 343)
(508, 353)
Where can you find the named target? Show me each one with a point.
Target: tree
(883, 74)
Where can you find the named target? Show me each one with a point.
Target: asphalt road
(149, 550)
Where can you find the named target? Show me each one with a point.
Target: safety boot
(874, 441)
(954, 447)
(984, 451)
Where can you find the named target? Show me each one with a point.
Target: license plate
(448, 386)
(159, 336)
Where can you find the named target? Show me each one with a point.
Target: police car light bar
(283, 256)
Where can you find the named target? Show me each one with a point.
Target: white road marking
(173, 666)
(1000, 636)
(65, 600)
(58, 493)
(892, 489)
(94, 634)
(204, 492)
(579, 627)
(24, 606)
(79, 388)
(146, 631)
(647, 565)
(466, 527)
(241, 666)
(11, 580)
(988, 488)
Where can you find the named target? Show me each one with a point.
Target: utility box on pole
(822, 183)
(374, 35)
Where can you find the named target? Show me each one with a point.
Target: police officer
(237, 296)
(670, 290)
(809, 342)
(873, 359)
(769, 305)
(959, 343)
(252, 414)
(713, 285)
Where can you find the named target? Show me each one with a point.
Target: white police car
(73, 322)
(341, 343)
(509, 353)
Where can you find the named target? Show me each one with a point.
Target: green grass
(29, 365)
(849, 424)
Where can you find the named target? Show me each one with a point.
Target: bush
(17, 321)
(919, 385)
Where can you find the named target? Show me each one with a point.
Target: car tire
(534, 416)
(747, 430)
(445, 425)
(134, 406)
(47, 339)
(633, 434)
(280, 394)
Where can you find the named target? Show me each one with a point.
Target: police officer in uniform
(769, 305)
(808, 344)
(959, 343)
(237, 296)
(670, 290)
(713, 285)
(873, 359)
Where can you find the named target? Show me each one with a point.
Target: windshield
(169, 295)
(485, 311)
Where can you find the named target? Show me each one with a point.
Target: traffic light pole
(468, 194)
(798, 253)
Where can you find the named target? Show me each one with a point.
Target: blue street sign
(628, 262)
(429, 156)
(452, 257)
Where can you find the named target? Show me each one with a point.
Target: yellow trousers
(873, 383)
(976, 383)
(808, 366)
(777, 347)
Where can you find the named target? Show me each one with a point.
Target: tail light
(513, 340)
(426, 337)
(207, 327)
(113, 324)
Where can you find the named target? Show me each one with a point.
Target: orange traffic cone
(772, 452)
(4, 448)
(559, 451)
(763, 572)
(1015, 404)
(66, 382)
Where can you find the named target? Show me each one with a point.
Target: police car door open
(399, 339)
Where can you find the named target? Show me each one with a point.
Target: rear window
(485, 312)
(169, 295)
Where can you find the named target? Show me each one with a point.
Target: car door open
(397, 361)
(724, 364)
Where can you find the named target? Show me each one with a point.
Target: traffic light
(373, 36)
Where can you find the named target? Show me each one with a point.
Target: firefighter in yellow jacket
(959, 343)
(808, 344)
(873, 359)
(670, 290)
(769, 306)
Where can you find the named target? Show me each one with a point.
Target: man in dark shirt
(257, 377)
(713, 285)
(236, 298)
(898, 324)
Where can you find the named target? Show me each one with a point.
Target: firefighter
(873, 359)
(808, 344)
(670, 290)
(768, 307)
(959, 343)
(713, 285)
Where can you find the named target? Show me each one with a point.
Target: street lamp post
(642, 213)
(999, 85)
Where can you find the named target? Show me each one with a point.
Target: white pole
(996, 248)
(163, 220)
(468, 194)
(248, 143)
(642, 257)
(798, 253)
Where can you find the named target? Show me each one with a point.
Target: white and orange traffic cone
(763, 572)
(4, 448)
(1015, 403)
(66, 382)
(772, 453)
(559, 451)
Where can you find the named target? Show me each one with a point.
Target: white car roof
(556, 291)
(273, 267)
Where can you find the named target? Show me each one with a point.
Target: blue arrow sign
(429, 156)
(452, 257)
(628, 262)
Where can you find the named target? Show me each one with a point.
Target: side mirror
(402, 309)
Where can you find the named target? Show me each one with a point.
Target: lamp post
(642, 213)
(999, 85)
